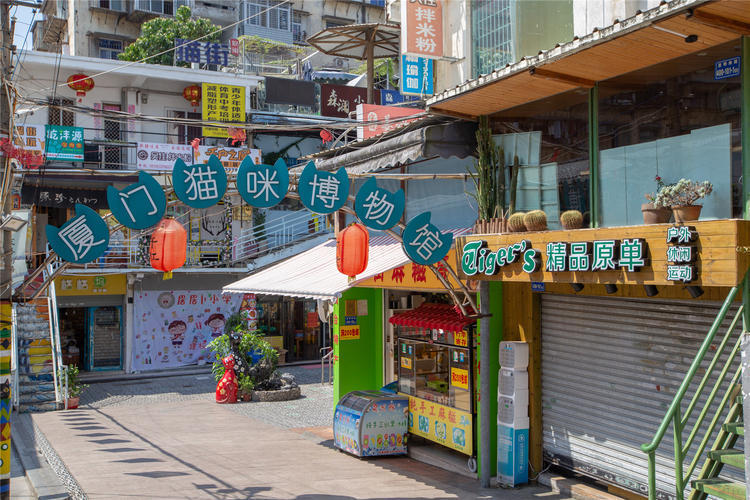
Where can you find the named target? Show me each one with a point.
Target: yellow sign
(349, 332)
(441, 424)
(460, 378)
(100, 284)
(461, 338)
(222, 103)
(406, 362)
(350, 308)
(412, 276)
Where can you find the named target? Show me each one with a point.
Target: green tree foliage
(159, 34)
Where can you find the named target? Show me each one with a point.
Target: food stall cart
(369, 423)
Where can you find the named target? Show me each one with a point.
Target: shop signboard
(411, 276)
(231, 158)
(727, 68)
(422, 28)
(173, 328)
(30, 138)
(222, 103)
(193, 51)
(460, 378)
(444, 425)
(102, 284)
(416, 76)
(62, 197)
(703, 253)
(389, 97)
(63, 143)
(349, 332)
(340, 100)
(160, 157)
(374, 113)
(461, 338)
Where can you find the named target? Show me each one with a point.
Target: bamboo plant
(488, 174)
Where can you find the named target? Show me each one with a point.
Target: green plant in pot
(652, 213)
(681, 198)
(245, 386)
(488, 176)
(75, 387)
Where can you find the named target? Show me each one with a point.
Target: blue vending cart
(370, 424)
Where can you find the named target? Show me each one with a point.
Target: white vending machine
(513, 414)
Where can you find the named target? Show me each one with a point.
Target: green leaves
(159, 34)
(488, 174)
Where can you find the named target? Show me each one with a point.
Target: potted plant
(75, 387)
(488, 176)
(653, 214)
(245, 388)
(571, 219)
(536, 220)
(681, 198)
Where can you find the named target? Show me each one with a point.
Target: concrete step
(721, 488)
(735, 428)
(30, 388)
(729, 457)
(42, 350)
(35, 378)
(37, 407)
(37, 397)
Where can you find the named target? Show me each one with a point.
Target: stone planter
(73, 403)
(655, 215)
(687, 213)
(280, 395)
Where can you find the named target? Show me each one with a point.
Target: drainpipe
(484, 385)
(745, 123)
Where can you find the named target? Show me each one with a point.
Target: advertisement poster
(222, 103)
(422, 28)
(159, 157)
(229, 157)
(349, 332)
(441, 424)
(384, 428)
(374, 113)
(172, 328)
(64, 143)
(346, 430)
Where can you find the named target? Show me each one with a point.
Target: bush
(250, 342)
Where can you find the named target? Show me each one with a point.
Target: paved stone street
(167, 438)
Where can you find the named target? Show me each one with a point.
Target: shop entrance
(91, 337)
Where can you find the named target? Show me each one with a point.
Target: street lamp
(12, 223)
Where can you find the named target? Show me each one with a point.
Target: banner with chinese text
(374, 113)
(422, 28)
(30, 138)
(172, 328)
(410, 276)
(161, 157)
(63, 143)
(229, 157)
(340, 100)
(222, 103)
(442, 424)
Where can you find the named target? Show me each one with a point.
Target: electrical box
(513, 414)
(514, 355)
(513, 453)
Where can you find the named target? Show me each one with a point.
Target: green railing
(683, 434)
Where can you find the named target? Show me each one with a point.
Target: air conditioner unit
(339, 62)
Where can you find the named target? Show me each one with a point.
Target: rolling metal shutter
(610, 368)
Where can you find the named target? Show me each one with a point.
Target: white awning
(313, 274)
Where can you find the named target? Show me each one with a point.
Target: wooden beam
(453, 114)
(562, 77)
(717, 21)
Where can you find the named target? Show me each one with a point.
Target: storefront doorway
(91, 337)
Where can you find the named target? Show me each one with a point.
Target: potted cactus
(536, 220)
(681, 198)
(515, 223)
(653, 214)
(488, 176)
(571, 219)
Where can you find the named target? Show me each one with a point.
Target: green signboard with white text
(64, 143)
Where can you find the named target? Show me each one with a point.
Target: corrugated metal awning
(647, 39)
(313, 274)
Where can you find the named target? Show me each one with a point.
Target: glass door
(105, 338)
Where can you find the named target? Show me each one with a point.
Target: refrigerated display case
(370, 423)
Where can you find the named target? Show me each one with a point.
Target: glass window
(112, 4)
(57, 113)
(674, 121)
(108, 49)
(492, 37)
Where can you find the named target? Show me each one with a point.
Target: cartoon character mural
(216, 322)
(177, 331)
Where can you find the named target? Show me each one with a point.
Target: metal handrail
(673, 415)
(326, 357)
(54, 334)
(14, 357)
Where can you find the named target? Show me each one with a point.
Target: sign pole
(745, 121)
(485, 420)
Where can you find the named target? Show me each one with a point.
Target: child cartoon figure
(177, 330)
(226, 390)
(216, 323)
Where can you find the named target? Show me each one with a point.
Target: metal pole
(485, 397)
(745, 123)
(594, 156)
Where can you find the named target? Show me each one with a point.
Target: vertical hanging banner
(222, 103)
(422, 28)
(417, 76)
(6, 313)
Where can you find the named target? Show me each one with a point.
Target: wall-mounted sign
(161, 157)
(340, 100)
(652, 254)
(389, 97)
(460, 378)
(202, 52)
(64, 143)
(62, 197)
(104, 284)
(423, 242)
(139, 205)
(441, 424)
(417, 76)
(222, 103)
(30, 138)
(199, 185)
(376, 114)
(82, 239)
(422, 28)
(349, 332)
(727, 68)
(231, 158)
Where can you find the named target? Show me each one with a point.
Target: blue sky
(23, 25)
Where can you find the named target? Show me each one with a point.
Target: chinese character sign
(30, 138)
(379, 208)
(139, 205)
(323, 192)
(202, 52)
(262, 186)
(441, 424)
(82, 239)
(416, 76)
(340, 100)
(229, 157)
(422, 28)
(199, 185)
(64, 143)
(161, 157)
(681, 253)
(222, 103)
(423, 242)
(379, 114)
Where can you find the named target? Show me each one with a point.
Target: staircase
(38, 357)
(706, 408)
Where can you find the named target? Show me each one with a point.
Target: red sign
(234, 47)
(422, 28)
(373, 113)
(340, 100)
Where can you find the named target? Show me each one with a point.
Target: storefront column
(745, 90)
(594, 156)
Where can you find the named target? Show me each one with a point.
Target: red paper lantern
(192, 94)
(81, 84)
(352, 248)
(168, 246)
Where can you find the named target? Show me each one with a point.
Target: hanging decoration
(139, 205)
(82, 239)
(323, 192)
(379, 208)
(28, 159)
(423, 242)
(262, 186)
(168, 246)
(192, 94)
(81, 84)
(352, 250)
(326, 136)
(238, 136)
(200, 185)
